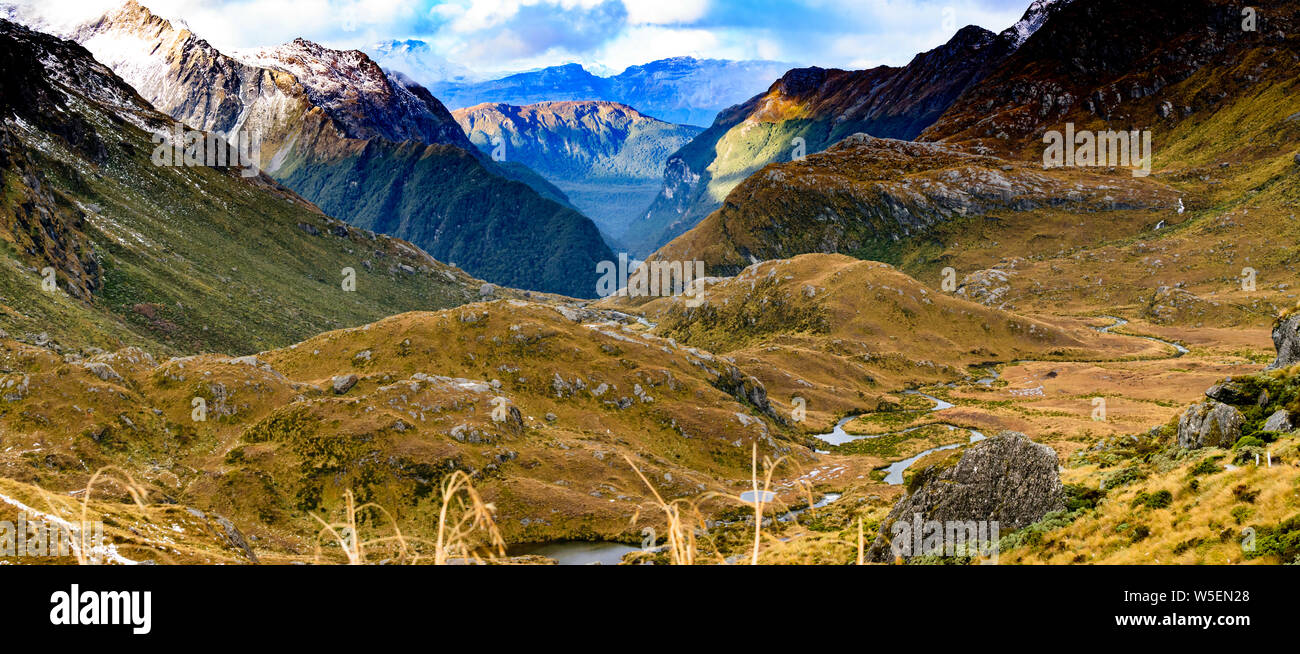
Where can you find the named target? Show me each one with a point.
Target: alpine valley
(386, 345)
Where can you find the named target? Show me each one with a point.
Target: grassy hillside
(847, 335)
(488, 225)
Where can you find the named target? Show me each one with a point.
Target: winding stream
(1120, 322)
(894, 472)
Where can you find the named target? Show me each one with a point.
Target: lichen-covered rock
(988, 287)
(1286, 340)
(1008, 479)
(1209, 424)
(1229, 392)
(1279, 421)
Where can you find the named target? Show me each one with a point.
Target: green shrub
(1242, 513)
(1248, 441)
(1157, 500)
(1248, 454)
(1123, 477)
(1282, 541)
(1140, 533)
(1206, 466)
(1081, 498)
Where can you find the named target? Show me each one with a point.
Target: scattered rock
(104, 371)
(1209, 424)
(344, 383)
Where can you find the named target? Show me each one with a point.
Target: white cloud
(664, 12)
(639, 45)
(497, 35)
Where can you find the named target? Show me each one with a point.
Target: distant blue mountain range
(682, 90)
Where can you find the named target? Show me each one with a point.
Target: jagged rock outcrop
(747, 389)
(1007, 478)
(1286, 339)
(1209, 424)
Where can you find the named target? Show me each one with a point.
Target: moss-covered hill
(389, 410)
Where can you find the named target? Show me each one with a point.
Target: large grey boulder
(1209, 424)
(1008, 479)
(1286, 340)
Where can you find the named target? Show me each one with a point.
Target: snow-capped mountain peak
(1034, 17)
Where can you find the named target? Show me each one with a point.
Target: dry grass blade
(462, 515)
(456, 534)
(683, 518)
(861, 544)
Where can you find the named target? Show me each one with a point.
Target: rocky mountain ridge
(331, 122)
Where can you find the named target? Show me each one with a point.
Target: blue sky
(492, 36)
